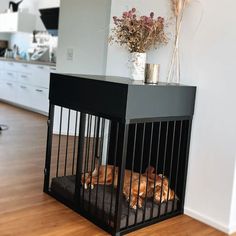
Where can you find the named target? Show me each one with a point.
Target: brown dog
(159, 184)
(104, 175)
(142, 186)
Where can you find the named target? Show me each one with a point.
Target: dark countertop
(28, 62)
(119, 80)
(121, 98)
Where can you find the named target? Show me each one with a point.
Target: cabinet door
(41, 101)
(24, 95)
(10, 66)
(8, 22)
(41, 75)
(12, 22)
(9, 75)
(8, 91)
(25, 78)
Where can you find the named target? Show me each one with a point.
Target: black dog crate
(117, 151)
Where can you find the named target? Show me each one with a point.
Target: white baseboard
(209, 221)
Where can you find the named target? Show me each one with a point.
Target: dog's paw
(85, 186)
(92, 186)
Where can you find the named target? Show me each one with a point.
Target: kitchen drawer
(24, 95)
(8, 91)
(10, 66)
(41, 101)
(1, 65)
(9, 75)
(23, 68)
(41, 75)
(25, 78)
(32, 97)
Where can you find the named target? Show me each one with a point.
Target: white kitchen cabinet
(41, 101)
(8, 90)
(25, 84)
(17, 22)
(40, 74)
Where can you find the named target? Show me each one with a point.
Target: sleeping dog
(142, 186)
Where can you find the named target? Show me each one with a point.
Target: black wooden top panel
(88, 95)
(121, 98)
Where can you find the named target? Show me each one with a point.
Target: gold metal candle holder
(152, 73)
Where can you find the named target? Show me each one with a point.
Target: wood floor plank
(26, 211)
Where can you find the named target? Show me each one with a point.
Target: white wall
(83, 29)
(208, 61)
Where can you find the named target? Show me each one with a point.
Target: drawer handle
(23, 87)
(24, 76)
(25, 65)
(10, 63)
(10, 84)
(39, 90)
(10, 74)
(41, 67)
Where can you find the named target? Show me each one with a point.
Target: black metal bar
(123, 139)
(100, 156)
(114, 169)
(59, 143)
(86, 156)
(67, 142)
(79, 159)
(105, 180)
(97, 135)
(140, 172)
(148, 223)
(75, 138)
(163, 169)
(186, 164)
(156, 167)
(178, 157)
(149, 161)
(171, 163)
(49, 149)
(98, 160)
(131, 175)
(89, 140)
(93, 157)
(104, 187)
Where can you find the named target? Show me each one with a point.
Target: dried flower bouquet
(138, 33)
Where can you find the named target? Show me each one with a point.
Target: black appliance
(50, 18)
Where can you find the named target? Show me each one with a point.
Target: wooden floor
(26, 211)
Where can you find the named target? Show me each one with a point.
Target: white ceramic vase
(137, 65)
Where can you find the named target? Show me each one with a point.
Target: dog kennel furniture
(99, 123)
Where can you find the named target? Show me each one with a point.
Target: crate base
(65, 186)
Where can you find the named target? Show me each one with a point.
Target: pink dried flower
(138, 33)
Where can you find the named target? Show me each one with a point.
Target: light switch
(70, 54)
